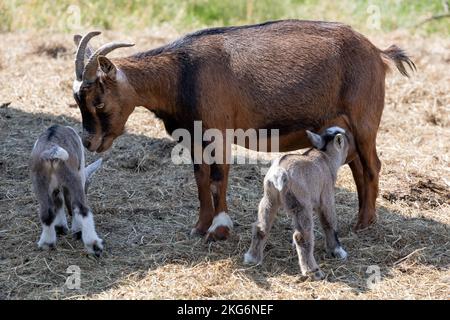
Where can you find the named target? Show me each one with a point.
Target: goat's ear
(107, 66)
(315, 139)
(339, 141)
(90, 169)
(77, 39)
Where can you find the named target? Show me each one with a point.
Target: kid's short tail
(55, 153)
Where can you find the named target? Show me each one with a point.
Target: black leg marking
(61, 230)
(48, 216)
(67, 201)
(337, 239)
(77, 235)
(216, 173)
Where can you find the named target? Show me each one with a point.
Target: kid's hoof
(339, 253)
(77, 235)
(249, 259)
(316, 275)
(47, 246)
(95, 248)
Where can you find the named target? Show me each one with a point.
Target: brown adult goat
(290, 75)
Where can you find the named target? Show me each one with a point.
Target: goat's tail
(399, 57)
(55, 153)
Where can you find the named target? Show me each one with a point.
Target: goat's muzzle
(107, 142)
(91, 141)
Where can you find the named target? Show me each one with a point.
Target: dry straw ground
(145, 206)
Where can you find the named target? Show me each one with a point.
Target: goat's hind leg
(268, 208)
(41, 187)
(75, 228)
(302, 216)
(60, 218)
(48, 235)
(371, 168)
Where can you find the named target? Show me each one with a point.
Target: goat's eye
(100, 106)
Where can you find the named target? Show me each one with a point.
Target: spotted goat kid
(59, 177)
(302, 184)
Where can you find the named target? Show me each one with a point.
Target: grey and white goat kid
(59, 177)
(303, 184)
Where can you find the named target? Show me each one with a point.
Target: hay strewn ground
(145, 206)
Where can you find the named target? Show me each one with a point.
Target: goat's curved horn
(79, 58)
(88, 50)
(90, 71)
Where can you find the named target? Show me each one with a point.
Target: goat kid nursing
(302, 184)
(59, 177)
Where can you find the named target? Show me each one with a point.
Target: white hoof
(46, 245)
(316, 275)
(250, 259)
(340, 253)
(48, 237)
(221, 220)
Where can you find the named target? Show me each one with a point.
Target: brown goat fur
(289, 75)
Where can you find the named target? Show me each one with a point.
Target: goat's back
(291, 69)
(306, 175)
(311, 165)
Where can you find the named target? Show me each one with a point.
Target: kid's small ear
(90, 170)
(107, 66)
(315, 139)
(339, 141)
(94, 166)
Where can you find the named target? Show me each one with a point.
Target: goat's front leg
(202, 177)
(358, 177)
(268, 208)
(53, 220)
(366, 174)
(221, 224)
(327, 214)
